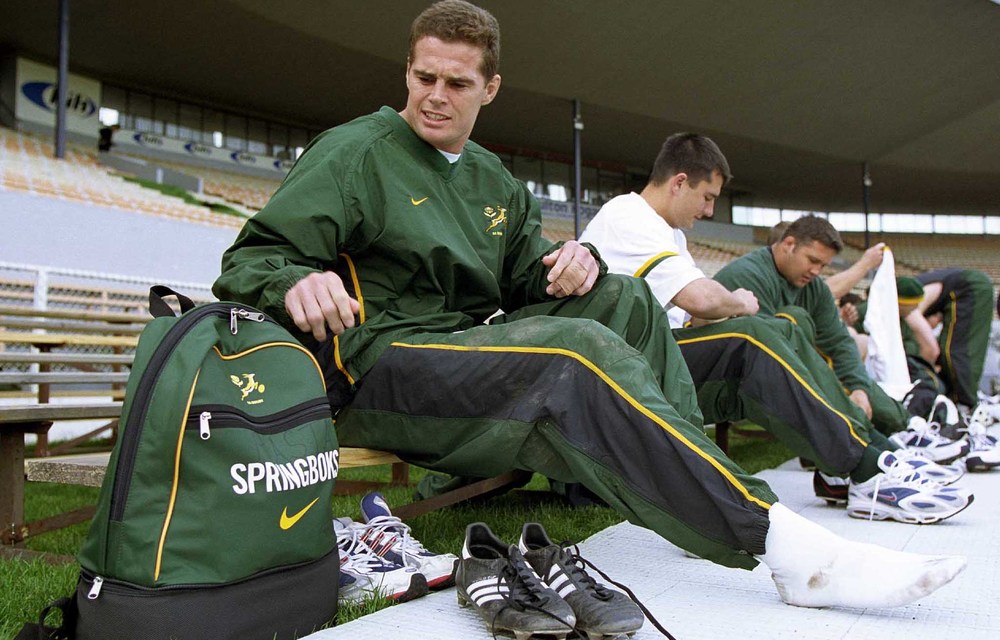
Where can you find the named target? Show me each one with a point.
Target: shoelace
(902, 474)
(583, 562)
(931, 431)
(524, 592)
(393, 528)
(360, 557)
(575, 565)
(977, 435)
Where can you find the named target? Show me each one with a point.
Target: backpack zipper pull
(203, 425)
(95, 589)
(235, 314)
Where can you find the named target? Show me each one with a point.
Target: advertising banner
(128, 138)
(35, 101)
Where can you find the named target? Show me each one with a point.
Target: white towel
(886, 361)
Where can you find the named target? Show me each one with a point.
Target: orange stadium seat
(27, 164)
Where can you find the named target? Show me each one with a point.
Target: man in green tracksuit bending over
(785, 279)
(964, 298)
(394, 237)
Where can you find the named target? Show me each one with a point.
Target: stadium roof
(798, 95)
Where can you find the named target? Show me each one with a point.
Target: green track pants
(749, 368)
(589, 389)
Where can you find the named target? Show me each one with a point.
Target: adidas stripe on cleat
(368, 574)
(498, 582)
(600, 612)
(390, 538)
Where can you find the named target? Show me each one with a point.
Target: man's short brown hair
(460, 21)
(690, 153)
(807, 229)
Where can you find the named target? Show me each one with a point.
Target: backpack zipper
(100, 584)
(207, 417)
(144, 389)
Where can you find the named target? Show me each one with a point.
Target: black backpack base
(304, 596)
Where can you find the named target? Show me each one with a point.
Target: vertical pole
(62, 81)
(866, 183)
(577, 167)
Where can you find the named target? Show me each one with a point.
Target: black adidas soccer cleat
(496, 580)
(600, 612)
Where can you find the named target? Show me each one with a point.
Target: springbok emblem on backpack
(247, 384)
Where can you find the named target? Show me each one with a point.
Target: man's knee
(616, 289)
(800, 318)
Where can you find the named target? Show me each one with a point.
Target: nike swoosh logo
(417, 203)
(287, 523)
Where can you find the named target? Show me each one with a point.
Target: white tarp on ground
(698, 600)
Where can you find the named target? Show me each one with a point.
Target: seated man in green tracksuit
(754, 367)
(394, 238)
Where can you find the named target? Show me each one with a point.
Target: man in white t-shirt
(745, 366)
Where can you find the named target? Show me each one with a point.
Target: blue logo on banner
(243, 158)
(283, 165)
(147, 139)
(194, 148)
(44, 95)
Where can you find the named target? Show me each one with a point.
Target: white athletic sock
(813, 567)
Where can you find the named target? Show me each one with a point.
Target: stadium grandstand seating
(558, 228)
(916, 253)
(27, 164)
(248, 191)
(97, 299)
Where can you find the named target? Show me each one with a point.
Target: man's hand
(849, 314)
(872, 257)
(574, 270)
(320, 300)
(860, 398)
(748, 301)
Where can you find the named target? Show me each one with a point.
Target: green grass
(186, 196)
(29, 586)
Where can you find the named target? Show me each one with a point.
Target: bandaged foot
(813, 567)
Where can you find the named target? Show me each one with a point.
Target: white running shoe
(389, 537)
(985, 451)
(925, 436)
(944, 473)
(368, 574)
(902, 494)
(990, 407)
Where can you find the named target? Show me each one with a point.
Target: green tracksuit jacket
(590, 389)
(757, 272)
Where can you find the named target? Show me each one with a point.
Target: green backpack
(214, 519)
